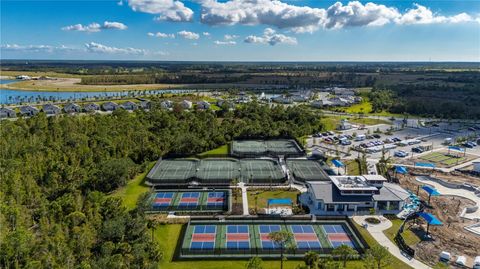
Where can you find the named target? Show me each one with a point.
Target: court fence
(187, 253)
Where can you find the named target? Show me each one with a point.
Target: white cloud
(167, 10)
(230, 37)
(308, 19)
(357, 14)
(114, 25)
(218, 42)
(120, 3)
(271, 37)
(206, 34)
(423, 15)
(95, 27)
(103, 49)
(188, 35)
(268, 12)
(161, 35)
(35, 48)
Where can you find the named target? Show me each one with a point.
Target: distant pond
(8, 96)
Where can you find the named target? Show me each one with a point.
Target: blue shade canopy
(285, 201)
(337, 163)
(401, 169)
(431, 165)
(431, 191)
(456, 148)
(430, 219)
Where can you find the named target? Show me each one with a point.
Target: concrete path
(244, 198)
(377, 232)
(455, 192)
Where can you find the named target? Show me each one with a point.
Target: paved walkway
(377, 232)
(244, 198)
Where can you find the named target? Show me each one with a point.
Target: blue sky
(241, 30)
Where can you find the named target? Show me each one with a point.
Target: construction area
(216, 171)
(454, 236)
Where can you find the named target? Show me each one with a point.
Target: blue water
(8, 96)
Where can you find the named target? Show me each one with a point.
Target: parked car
(346, 142)
(330, 133)
(400, 153)
(417, 150)
(468, 145)
(472, 129)
(377, 136)
(325, 134)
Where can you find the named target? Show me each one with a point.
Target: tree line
(56, 174)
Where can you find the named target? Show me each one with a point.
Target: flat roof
(345, 183)
(374, 178)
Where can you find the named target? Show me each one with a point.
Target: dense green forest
(56, 173)
(431, 100)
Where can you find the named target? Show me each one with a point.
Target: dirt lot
(451, 236)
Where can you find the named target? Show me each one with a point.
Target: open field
(134, 188)
(13, 74)
(443, 159)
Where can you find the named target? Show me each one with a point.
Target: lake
(8, 96)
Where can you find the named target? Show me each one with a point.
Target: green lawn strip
(410, 237)
(322, 236)
(219, 237)
(256, 236)
(253, 237)
(222, 150)
(133, 190)
(176, 198)
(396, 263)
(187, 240)
(203, 199)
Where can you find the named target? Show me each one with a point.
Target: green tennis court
(215, 171)
(307, 170)
(256, 148)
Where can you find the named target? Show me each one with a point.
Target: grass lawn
(369, 121)
(134, 188)
(410, 238)
(396, 263)
(168, 235)
(222, 150)
(352, 167)
(264, 195)
(363, 107)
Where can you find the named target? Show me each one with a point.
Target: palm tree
(311, 259)
(384, 163)
(283, 239)
(344, 253)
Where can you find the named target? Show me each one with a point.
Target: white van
(445, 256)
(476, 263)
(360, 137)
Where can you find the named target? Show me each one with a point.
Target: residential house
(186, 104)
(91, 107)
(129, 105)
(344, 125)
(225, 104)
(203, 105)
(72, 108)
(282, 99)
(51, 109)
(167, 104)
(146, 104)
(109, 106)
(28, 110)
(6, 112)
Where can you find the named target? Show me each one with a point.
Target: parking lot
(432, 137)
